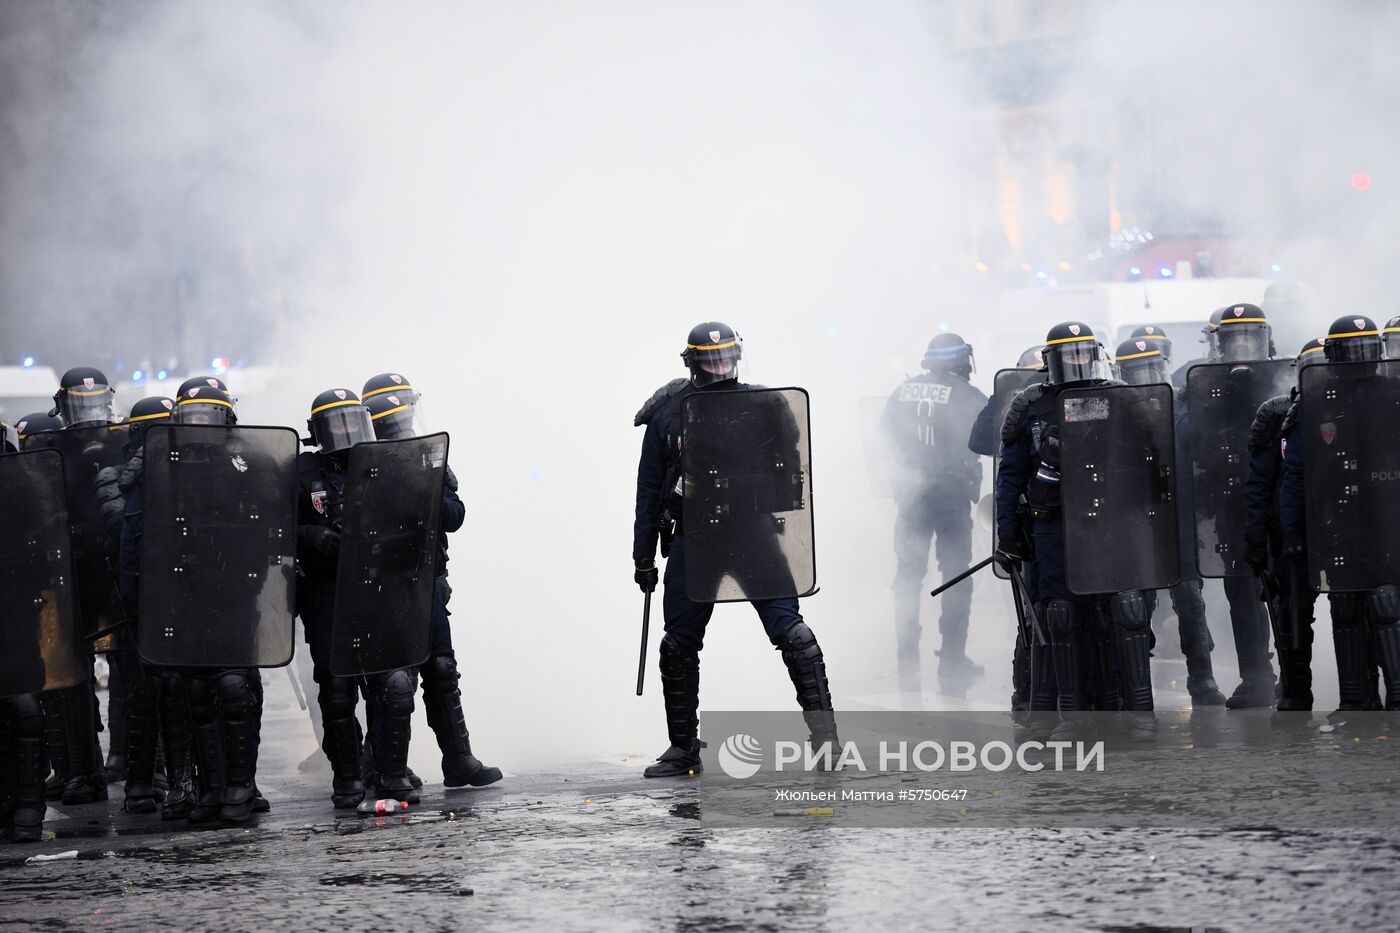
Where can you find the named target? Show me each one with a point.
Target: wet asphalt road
(596, 847)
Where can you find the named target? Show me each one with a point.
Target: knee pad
(1385, 604)
(396, 692)
(440, 672)
(676, 642)
(1348, 609)
(200, 695)
(1060, 617)
(337, 697)
(799, 641)
(234, 694)
(1128, 610)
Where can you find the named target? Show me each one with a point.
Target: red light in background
(1361, 181)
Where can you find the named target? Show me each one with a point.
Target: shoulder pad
(660, 397)
(1264, 429)
(1016, 411)
(450, 479)
(133, 471)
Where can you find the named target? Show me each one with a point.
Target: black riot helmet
(1391, 336)
(84, 397)
(204, 404)
(1353, 339)
(9, 438)
(1244, 334)
(1140, 362)
(384, 383)
(1210, 336)
(1032, 358)
(1314, 351)
(949, 353)
(144, 413)
(391, 415)
(39, 422)
(1072, 354)
(339, 421)
(712, 353)
(1155, 336)
(213, 382)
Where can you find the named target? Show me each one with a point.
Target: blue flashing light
(1275, 267)
(1135, 271)
(943, 327)
(1042, 274)
(27, 362)
(1164, 272)
(161, 375)
(831, 332)
(137, 375)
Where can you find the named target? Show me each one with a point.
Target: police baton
(960, 577)
(646, 624)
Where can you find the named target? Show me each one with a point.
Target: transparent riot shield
(747, 518)
(42, 648)
(1348, 415)
(388, 553)
(86, 450)
(1117, 488)
(1006, 385)
(218, 546)
(879, 453)
(1221, 399)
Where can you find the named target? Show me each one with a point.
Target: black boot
(341, 739)
(86, 783)
(120, 682)
(1354, 679)
(208, 749)
(237, 717)
(1196, 644)
(680, 691)
(807, 668)
(395, 709)
(1387, 640)
(175, 737)
(260, 804)
(443, 700)
(1062, 619)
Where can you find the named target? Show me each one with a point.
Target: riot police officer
(1105, 639)
(984, 438)
(1156, 337)
(936, 480)
(337, 422)
(1361, 621)
(712, 355)
(392, 414)
(224, 704)
(1391, 335)
(1285, 577)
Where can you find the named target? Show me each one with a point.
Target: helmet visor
(1144, 374)
(1392, 345)
(1240, 342)
(204, 411)
(710, 366)
(342, 427)
(1353, 349)
(395, 423)
(1074, 362)
(85, 406)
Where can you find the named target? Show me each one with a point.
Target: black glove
(326, 541)
(645, 575)
(1010, 553)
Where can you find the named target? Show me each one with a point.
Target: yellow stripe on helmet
(388, 412)
(1051, 343)
(1242, 320)
(717, 346)
(1355, 333)
(1138, 356)
(102, 391)
(201, 401)
(404, 388)
(1316, 349)
(159, 414)
(348, 401)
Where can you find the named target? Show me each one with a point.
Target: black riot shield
(879, 452)
(1006, 385)
(39, 638)
(1117, 488)
(1347, 421)
(218, 546)
(388, 550)
(86, 450)
(746, 463)
(1221, 399)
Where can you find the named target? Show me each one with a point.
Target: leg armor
(208, 747)
(56, 745)
(238, 716)
(680, 691)
(1134, 636)
(1102, 638)
(123, 673)
(394, 692)
(1061, 617)
(807, 668)
(27, 784)
(342, 738)
(141, 736)
(1196, 643)
(175, 737)
(1350, 638)
(77, 713)
(1385, 617)
(445, 717)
